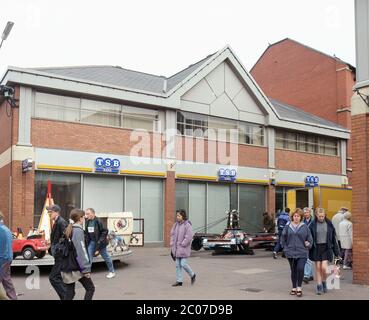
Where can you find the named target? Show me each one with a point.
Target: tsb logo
(107, 165)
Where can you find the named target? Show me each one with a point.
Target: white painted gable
(222, 93)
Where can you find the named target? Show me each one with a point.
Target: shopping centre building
(206, 139)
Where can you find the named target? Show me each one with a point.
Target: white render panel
(252, 117)
(55, 157)
(195, 107)
(299, 177)
(224, 107)
(25, 111)
(232, 84)
(216, 79)
(244, 102)
(201, 93)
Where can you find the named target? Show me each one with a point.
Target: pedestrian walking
(336, 220)
(345, 228)
(325, 246)
(97, 239)
(57, 230)
(180, 242)
(308, 270)
(76, 265)
(268, 223)
(296, 240)
(283, 219)
(6, 258)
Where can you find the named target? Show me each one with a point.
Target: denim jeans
(308, 270)
(181, 263)
(104, 253)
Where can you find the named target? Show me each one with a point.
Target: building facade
(316, 82)
(360, 138)
(206, 139)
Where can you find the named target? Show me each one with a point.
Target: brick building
(309, 79)
(360, 139)
(121, 140)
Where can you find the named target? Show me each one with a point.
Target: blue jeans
(308, 270)
(181, 263)
(104, 253)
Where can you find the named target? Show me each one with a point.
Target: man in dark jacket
(97, 240)
(57, 230)
(283, 219)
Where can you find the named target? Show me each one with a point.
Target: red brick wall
(246, 155)
(170, 202)
(4, 127)
(360, 198)
(85, 137)
(297, 75)
(23, 197)
(4, 191)
(306, 162)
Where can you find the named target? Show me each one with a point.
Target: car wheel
(41, 254)
(28, 253)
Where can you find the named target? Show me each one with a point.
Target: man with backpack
(58, 227)
(283, 219)
(97, 240)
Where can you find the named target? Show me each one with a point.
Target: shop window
(252, 207)
(66, 192)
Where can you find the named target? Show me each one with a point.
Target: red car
(29, 248)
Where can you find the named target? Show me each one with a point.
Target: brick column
(360, 208)
(170, 201)
(23, 198)
(271, 199)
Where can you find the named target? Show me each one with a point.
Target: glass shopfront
(142, 196)
(207, 203)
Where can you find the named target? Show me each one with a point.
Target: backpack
(67, 252)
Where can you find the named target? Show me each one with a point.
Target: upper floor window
(306, 142)
(199, 125)
(49, 106)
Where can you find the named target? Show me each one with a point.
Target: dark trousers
(6, 280)
(297, 271)
(56, 279)
(86, 283)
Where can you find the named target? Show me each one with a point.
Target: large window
(65, 191)
(199, 125)
(290, 140)
(206, 204)
(55, 107)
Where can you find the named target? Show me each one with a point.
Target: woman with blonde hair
(296, 241)
(324, 245)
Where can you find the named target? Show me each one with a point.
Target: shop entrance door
(300, 198)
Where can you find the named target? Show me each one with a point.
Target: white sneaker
(346, 268)
(110, 275)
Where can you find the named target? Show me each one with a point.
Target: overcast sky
(164, 36)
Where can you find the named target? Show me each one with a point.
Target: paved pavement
(149, 272)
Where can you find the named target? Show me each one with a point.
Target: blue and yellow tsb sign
(107, 165)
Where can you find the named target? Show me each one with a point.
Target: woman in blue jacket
(296, 240)
(324, 245)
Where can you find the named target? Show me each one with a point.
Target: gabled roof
(288, 112)
(118, 76)
(310, 48)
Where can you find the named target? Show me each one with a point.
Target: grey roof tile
(294, 113)
(121, 77)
